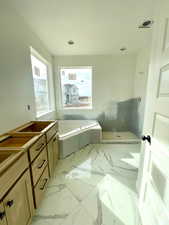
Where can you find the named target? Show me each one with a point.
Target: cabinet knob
(10, 203)
(2, 215)
(54, 139)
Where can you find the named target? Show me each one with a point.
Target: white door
(154, 187)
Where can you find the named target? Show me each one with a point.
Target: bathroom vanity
(28, 157)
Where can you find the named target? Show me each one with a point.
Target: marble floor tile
(90, 176)
(79, 217)
(74, 182)
(58, 203)
(79, 189)
(95, 186)
(112, 202)
(59, 179)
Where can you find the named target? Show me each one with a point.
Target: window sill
(45, 115)
(77, 108)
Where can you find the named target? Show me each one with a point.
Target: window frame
(60, 87)
(51, 98)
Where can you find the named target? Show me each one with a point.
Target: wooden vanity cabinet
(18, 202)
(53, 154)
(25, 179)
(2, 215)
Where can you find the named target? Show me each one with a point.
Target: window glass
(76, 85)
(41, 89)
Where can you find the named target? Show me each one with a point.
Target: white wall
(113, 76)
(140, 83)
(16, 84)
(113, 81)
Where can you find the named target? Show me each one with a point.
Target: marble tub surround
(76, 134)
(94, 186)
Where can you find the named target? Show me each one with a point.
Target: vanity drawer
(51, 132)
(9, 177)
(36, 148)
(40, 188)
(39, 165)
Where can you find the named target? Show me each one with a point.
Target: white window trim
(60, 87)
(50, 84)
(48, 114)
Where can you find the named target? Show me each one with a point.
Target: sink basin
(35, 126)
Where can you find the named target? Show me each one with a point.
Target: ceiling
(97, 27)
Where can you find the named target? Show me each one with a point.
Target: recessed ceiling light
(70, 42)
(123, 49)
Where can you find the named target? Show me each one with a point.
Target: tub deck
(69, 128)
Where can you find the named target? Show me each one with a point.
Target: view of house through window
(76, 84)
(41, 90)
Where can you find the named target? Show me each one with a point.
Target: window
(76, 86)
(41, 80)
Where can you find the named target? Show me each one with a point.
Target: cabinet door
(53, 154)
(2, 215)
(19, 202)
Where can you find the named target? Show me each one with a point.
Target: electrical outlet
(28, 107)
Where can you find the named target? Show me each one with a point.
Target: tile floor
(95, 186)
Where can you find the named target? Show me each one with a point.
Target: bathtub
(76, 134)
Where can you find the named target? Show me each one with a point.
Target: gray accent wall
(119, 116)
